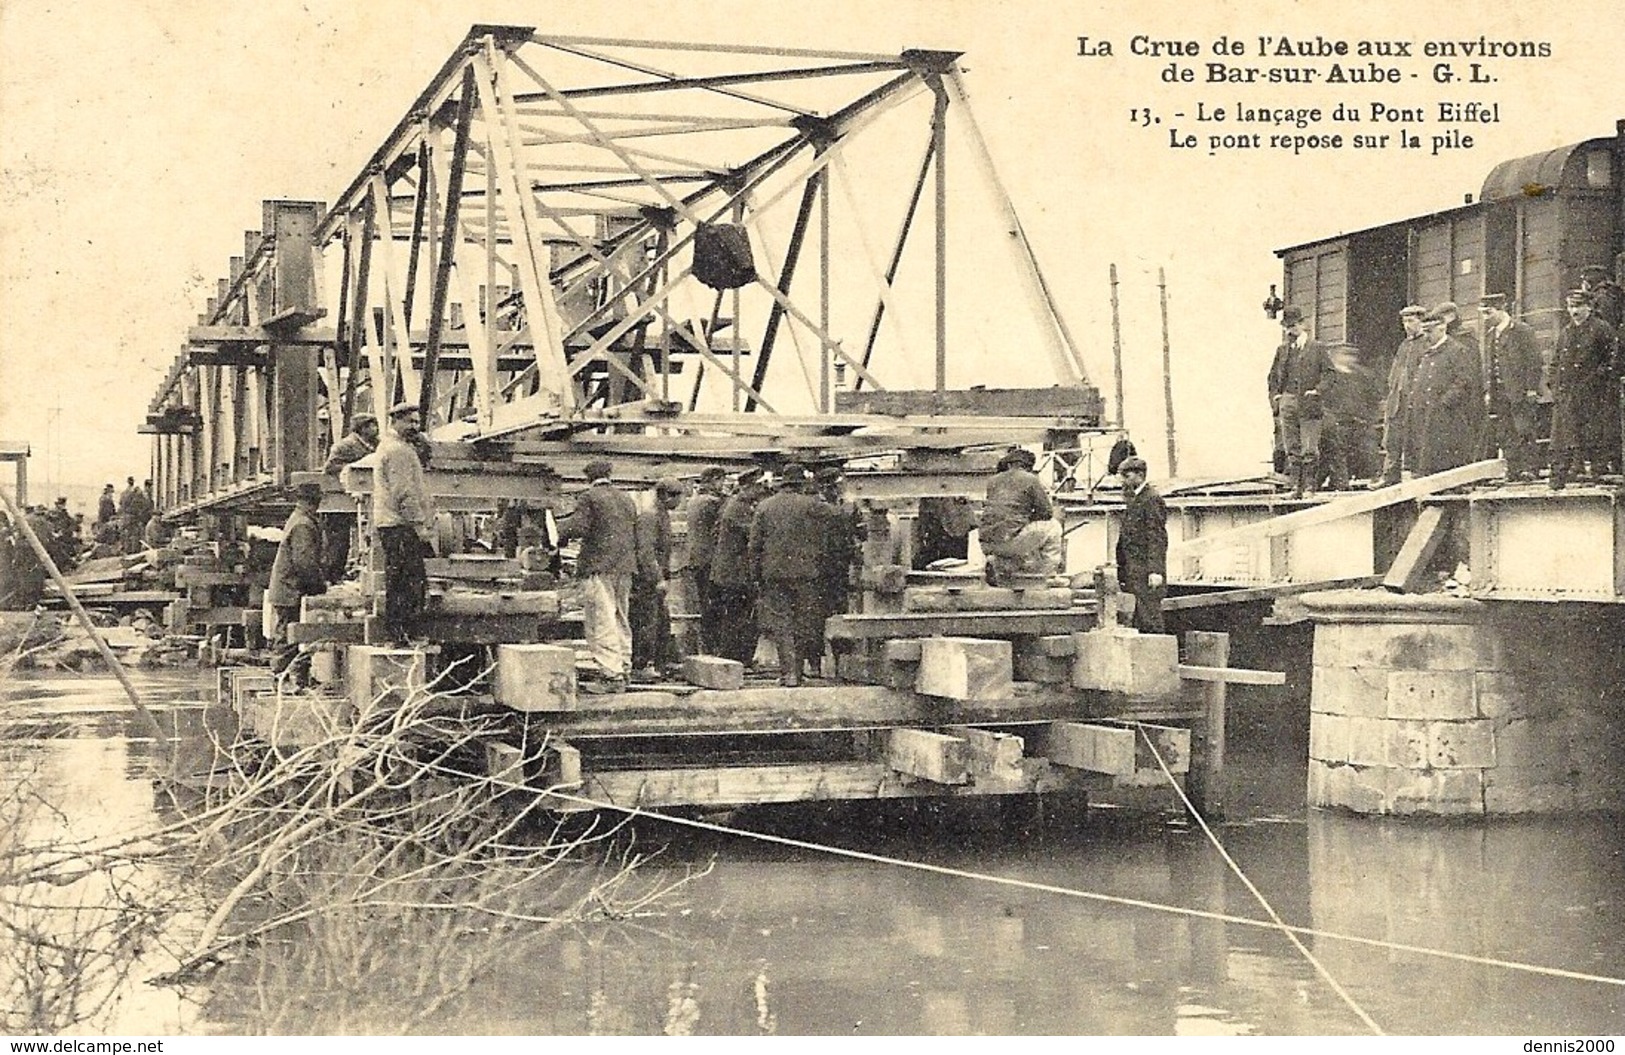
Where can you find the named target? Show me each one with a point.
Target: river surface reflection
(787, 940)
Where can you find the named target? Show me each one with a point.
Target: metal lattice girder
(556, 184)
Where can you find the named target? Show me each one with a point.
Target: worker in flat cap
(296, 573)
(1585, 403)
(605, 522)
(1456, 327)
(733, 590)
(1142, 546)
(1511, 376)
(1018, 531)
(401, 515)
(338, 528)
(710, 490)
(1607, 299)
(786, 555)
(1445, 403)
(1401, 373)
(654, 650)
(1299, 375)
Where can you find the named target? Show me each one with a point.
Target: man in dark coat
(1018, 531)
(701, 514)
(1445, 402)
(1511, 372)
(1401, 373)
(786, 554)
(134, 507)
(1142, 546)
(1455, 327)
(1348, 436)
(732, 589)
(360, 441)
(653, 647)
(605, 520)
(1585, 411)
(107, 506)
(1298, 376)
(296, 573)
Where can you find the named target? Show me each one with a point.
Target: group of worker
(1454, 397)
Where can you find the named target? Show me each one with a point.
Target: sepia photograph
(708, 518)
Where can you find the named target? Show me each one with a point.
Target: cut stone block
(714, 672)
(1431, 694)
(1461, 745)
(1362, 692)
(1096, 748)
(534, 678)
(936, 757)
(1141, 666)
(1408, 745)
(992, 755)
(1368, 741)
(984, 599)
(965, 668)
(903, 650)
(1447, 792)
(376, 669)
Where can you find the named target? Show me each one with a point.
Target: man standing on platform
(106, 506)
(786, 553)
(1607, 299)
(703, 507)
(296, 573)
(653, 648)
(134, 508)
(1018, 530)
(400, 515)
(1585, 409)
(1446, 401)
(1400, 376)
(732, 590)
(1142, 546)
(1298, 375)
(360, 441)
(1511, 387)
(605, 520)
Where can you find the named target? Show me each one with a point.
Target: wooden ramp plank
(1337, 509)
(1231, 675)
(1410, 567)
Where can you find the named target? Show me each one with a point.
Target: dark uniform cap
(670, 487)
(308, 491)
(750, 476)
(829, 474)
(1131, 464)
(1018, 456)
(1413, 309)
(1291, 316)
(1579, 296)
(794, 474)
(712, 472)
(597, 469)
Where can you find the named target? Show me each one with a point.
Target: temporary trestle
(686, 746)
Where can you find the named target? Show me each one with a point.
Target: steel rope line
(1048, 888)
(1269, 909)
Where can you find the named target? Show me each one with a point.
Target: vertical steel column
(939, 147)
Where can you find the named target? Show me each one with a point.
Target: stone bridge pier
(1432, 704)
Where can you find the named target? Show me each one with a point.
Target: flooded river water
(789, 940)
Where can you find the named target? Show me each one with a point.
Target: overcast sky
(138, 137)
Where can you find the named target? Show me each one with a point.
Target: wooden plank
(470, 567)
(1336, 509)
(807, 782)
(936, 757)
(1231, 675)
(1264, 593)
(984, 599)
(1407, 573)
(1106, 749)
(1210, 649)
(713, 672)
(964, 668)
(960, 624)
(340, 633)
(1083, 401)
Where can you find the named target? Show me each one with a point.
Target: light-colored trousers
(604, 603)
(1036, 549)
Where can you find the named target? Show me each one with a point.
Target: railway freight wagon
(1538, 220)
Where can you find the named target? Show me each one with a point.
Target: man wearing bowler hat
(1585, 411)
(1511, 371)
(1299, 374)
(400, 515)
